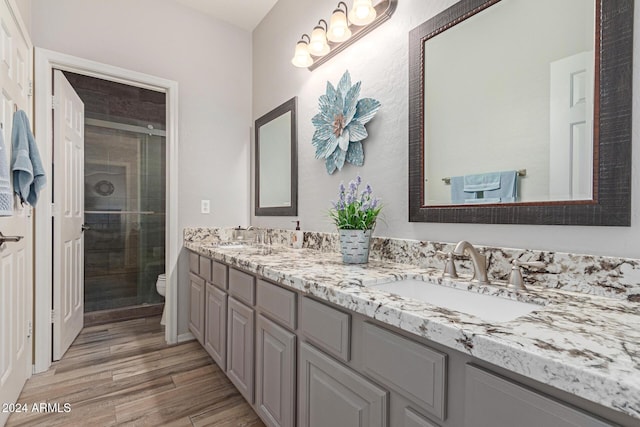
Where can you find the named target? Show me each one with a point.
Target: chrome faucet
(478, 260)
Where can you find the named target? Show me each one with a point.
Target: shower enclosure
(124, 212)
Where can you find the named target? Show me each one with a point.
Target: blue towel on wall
(508, 191)
(6, 195)
(481, 182)
(26, 165)
(458, 196)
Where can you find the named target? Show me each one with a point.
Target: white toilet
(161, 287)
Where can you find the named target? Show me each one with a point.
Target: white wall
(380, 61)
(210, 60)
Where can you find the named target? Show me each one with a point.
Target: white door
(16, 258)
(68, 216)
(571, 128)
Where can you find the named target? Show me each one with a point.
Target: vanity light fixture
(318, 45)
(362, 13)
(345, 27)
(301, 57)
(339, 28)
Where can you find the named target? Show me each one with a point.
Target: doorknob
(85, 228)
(4, 238)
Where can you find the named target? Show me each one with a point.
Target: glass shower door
(125, 213)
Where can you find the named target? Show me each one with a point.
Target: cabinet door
(275, 373)
(215, 331)
(240, 336)
(492, 401)
(196, 307)
(332, 395)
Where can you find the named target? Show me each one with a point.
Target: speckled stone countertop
(583, 344)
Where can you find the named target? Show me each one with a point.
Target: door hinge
(53, 316)
(54, 102)
(29, 329)
(30, 92)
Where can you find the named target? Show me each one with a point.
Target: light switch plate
(205, 206)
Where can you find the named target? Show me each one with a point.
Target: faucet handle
(515, 278)
(449, 266)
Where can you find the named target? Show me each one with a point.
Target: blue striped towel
(28, 172)
(6, 195)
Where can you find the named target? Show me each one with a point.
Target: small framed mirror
(276, 161)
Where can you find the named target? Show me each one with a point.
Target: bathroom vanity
(309, 341)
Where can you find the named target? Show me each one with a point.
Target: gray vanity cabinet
(215, 330)
(302, 361)
(196, 306)
(240, 338)
(332, 395)
(491, 401)
(275, 373)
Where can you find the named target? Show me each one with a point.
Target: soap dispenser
(298, 237)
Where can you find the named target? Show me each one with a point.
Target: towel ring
(15, 108)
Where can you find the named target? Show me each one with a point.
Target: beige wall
(210, 60)
(380, 61)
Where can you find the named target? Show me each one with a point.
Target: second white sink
(487, 307)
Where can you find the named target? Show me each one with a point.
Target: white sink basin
(487, 307)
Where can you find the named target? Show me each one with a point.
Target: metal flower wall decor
(340, 124)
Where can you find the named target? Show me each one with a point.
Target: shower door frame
(45, 62)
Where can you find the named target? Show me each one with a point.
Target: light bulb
(301, 57)
(338, 27)
(318, 45)
(362, 13)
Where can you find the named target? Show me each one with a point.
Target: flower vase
(354, 245)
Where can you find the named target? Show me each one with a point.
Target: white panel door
(68, 254)
(16, 258)
(571, 128)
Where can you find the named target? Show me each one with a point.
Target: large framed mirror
(276, 162)
(520, 113)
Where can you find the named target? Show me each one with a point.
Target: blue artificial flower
(340, 124)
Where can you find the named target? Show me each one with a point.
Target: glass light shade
(362, 13)
(338, 27)
(318, 45)
(301, 57)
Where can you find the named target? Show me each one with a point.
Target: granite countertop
(586, 345)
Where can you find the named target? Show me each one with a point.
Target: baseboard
(187, 336)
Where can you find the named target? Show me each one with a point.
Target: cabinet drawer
(194, 262)
(327, 328)
(219, 274)
(242, 286)
(411, 369)
(277, 302)
(205, 268)
(491, 400)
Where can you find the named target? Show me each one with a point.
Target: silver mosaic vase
(354, 245)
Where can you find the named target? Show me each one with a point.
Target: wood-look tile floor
(124, 374)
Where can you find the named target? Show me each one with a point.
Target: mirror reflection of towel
(26, 165)
(494, 187)
(6, 195)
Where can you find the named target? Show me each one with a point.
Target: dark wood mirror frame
(611, 205)
(288, 106)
